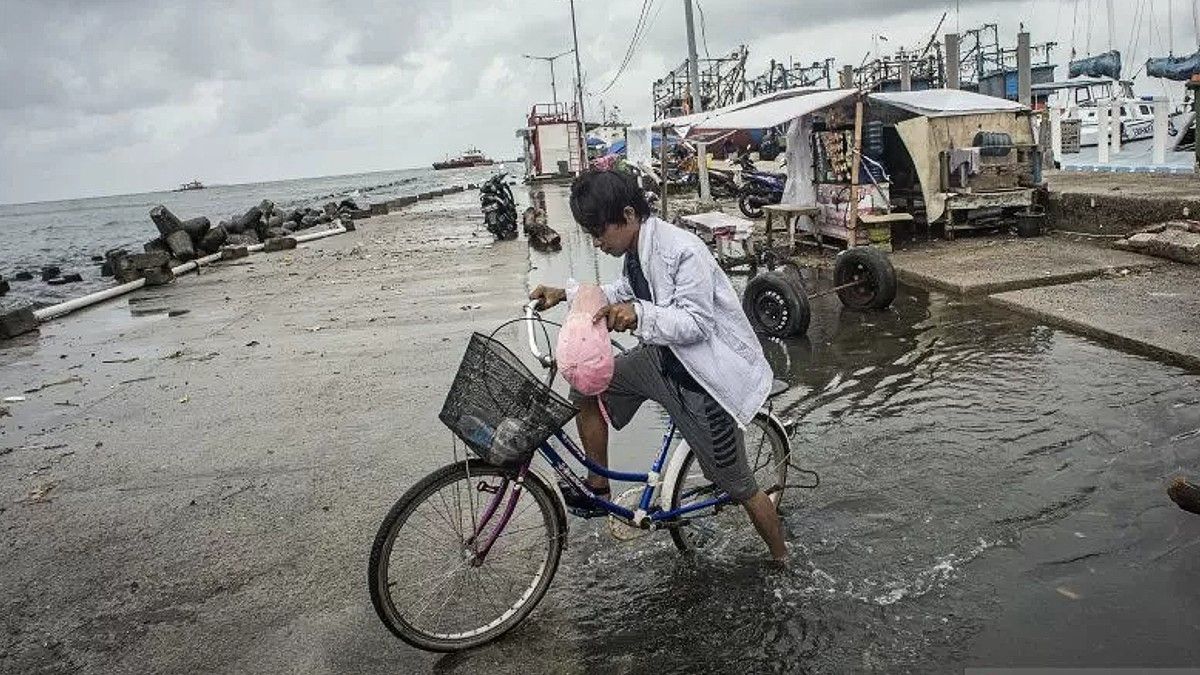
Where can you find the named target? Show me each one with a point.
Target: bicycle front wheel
(727, 528)
(429, 582)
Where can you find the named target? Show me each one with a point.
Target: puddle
(964, 453)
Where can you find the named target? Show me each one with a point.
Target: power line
(633, 43)
(703, 33)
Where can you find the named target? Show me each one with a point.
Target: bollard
(1160, 130)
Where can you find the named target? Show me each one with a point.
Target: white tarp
(772, 113)
(946, 102)
(638, 148)
(799, 188)
(685, 122)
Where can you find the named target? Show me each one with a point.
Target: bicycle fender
(671, 473)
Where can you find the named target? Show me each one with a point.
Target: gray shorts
(709, 430)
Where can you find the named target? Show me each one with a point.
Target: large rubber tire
(554, 518)
(873, 269)
(772, 467)
(749, 210)
(776, 304)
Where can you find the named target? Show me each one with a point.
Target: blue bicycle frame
(647, 514)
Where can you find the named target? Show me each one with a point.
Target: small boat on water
(472, 157)
(191, 185)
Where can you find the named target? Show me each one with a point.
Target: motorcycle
(499, 207)
(758, 189)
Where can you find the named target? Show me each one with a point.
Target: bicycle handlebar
(530, 320)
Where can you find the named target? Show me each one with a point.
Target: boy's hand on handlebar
(547, 296)
(619, 317)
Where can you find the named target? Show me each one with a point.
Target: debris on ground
(38, 494)
(69, 380)
(1177, 240)
(1185, 494)
(14, 399)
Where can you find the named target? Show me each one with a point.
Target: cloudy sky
(123, 96)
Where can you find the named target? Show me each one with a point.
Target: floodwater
(992, 494)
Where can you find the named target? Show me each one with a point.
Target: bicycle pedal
(585, 512)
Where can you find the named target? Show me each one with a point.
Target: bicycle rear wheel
(727, 528)
(427, 584)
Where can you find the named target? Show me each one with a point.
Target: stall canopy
(683, 124)
(946, 102)
(945, 119)
(766, 115)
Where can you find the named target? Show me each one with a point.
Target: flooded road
(992, 494)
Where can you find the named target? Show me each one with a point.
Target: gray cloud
(104, 97)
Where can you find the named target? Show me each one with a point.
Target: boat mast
(1196, 21)
(1112, 26)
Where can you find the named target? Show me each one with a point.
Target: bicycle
(481, 564)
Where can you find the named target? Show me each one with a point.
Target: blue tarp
(1179, 68)
(617, 147)
(594, 142)
(1107, 64)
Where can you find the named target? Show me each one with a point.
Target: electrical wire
(639, 31)
(703, 32)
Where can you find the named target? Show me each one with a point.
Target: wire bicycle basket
(500, 409)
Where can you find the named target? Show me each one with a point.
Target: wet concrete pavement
(992, 489)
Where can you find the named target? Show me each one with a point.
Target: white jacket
(697, 314)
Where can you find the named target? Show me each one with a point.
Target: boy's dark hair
(599, 198)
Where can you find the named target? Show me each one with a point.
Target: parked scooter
(759, 188)
(499, 207)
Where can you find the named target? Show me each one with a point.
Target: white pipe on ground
(54, 311)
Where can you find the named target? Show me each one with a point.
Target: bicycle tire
(553, 518)
(781, 454)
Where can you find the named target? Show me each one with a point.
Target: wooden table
(790, 213)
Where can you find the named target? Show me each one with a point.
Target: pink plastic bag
(584, 355)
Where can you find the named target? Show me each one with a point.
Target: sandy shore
(199, 491)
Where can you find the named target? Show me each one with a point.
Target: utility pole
(550, 60)
(579, 92)
(697, 106)
(693, 61)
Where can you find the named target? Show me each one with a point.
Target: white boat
(1080, 98)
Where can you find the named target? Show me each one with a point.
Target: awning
(946, 102)
(684, 123)
(772, 113)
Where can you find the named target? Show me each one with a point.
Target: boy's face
(618, 238)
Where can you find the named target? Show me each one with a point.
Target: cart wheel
(776, 305)
(874, 272)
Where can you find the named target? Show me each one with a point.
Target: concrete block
(233, 252)
(360, 214)
(50, 271)
(181, 245)
(17, 322)
(380, 209)
(158, 276)
(279, 244)
(197, 228)
(142, 261)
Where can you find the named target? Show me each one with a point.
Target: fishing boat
(472, 157)
(191, 185)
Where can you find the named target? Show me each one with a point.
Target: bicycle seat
(778, 387)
